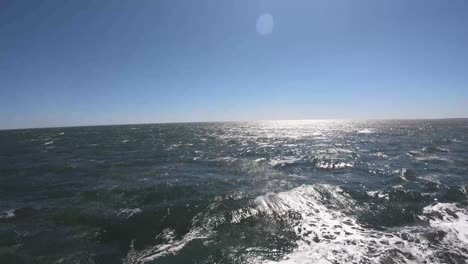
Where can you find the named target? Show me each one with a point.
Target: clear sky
(85, 62)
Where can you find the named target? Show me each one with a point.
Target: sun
(265, 24)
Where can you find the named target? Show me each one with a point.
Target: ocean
(389, 191)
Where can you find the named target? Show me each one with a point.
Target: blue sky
(85, 62)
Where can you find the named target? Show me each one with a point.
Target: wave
(329, 234)
(430, 154)
(129, 212)
(334, 165)
(317, 162)
(169, 247)
(451, 219)
(366, 131)
(14, 214)
(326, 229)
(433, 149)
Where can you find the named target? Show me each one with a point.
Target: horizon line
(231, 121)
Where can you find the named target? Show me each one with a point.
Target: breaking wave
(327, 230)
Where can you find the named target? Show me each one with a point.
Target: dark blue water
(261, 192)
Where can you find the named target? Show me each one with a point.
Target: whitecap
(378, 194)
(432, 149)
(449, 218)
(170, 247)
(129, 212)
(330, 234)
(328, 230)
(330, 165)
(366, 131)
(7, 214)
(173, 146)
(380, 155)
(283, 162)
(168, 235)
(434, 158)
(227, 160)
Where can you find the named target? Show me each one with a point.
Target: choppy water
(264, 192)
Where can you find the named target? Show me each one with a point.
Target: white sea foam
(366, 131)
(434, 157)
(425, 155)
(449, 218)
(378, 194)
(379, 155)
(169, 247)
(328, 234)
(174, 146)
(329, 231)
(283, 162)
(129, 212)
(7, 214)
(333, 165)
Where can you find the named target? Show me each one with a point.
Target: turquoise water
(258, 192)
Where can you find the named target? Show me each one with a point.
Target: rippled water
(260, 192)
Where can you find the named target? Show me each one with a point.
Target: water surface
(259, 192)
